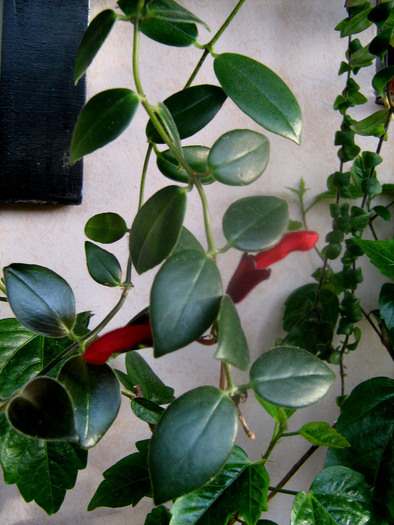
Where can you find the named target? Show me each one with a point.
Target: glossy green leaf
(140, 374)
(146, 410)
(380, 253)
(323, 434)
(102, 265)
(185, 299)
(380, 44)
(280, 414)
(308, 511)
(356, 24)
(260, 93)
(40, 299)
(255, 223)
(157, 227)
(159, 516)
(373, 125)
(105, 227)
(386, 304)
(382, 78)
(290, 377)
(95, 395)
(43, 409)
(171, 11)
(103, 118)
(125, 483)
(92, 40)
(42, 470)
(195, 434)
(239, 157)
(187, 241)
(232, 345)
(195, 156)
(192, 109)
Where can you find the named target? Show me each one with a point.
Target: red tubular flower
(119, 340)
(245, 278)
(291, 242)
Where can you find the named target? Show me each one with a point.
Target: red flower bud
(245, 278)
(119, 340)
(292, 241)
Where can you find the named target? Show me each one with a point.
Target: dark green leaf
(187, 241)
(146, 410)
(382, 78)
(239, 157)
(192, 109)
(255, 223)
(381, 43)
(43, 470)
(170, 33)
(322, 434)
(383, 212)
(260, 93)
(356, 24)
(95, 395)
(195, 434)
(373, 125)
(195, 156)
(171, 11)
(386, 304)
(140, 374)
(125, 483)
(290, 377)
(105, 227)
(157, 227)
(381, 12)
(43, 409)
(308, 511)
(159, 516)
(381, 254)
(102, 265)
(185, 299)
(92, 40)
(40, 299)
(232, 345)
(102, 120)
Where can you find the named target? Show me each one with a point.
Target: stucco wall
(295, 39)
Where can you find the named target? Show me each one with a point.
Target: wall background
(296, 40)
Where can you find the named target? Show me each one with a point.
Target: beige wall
(297, 40)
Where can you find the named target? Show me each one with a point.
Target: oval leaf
(105, 228)
(239, 157)
(102, 120)
(103, 267)
(195, 434)
(95, 395)
(255, 223)
(40, 299)
(260, 93)
(187, 241)
(43, 410)
(185, 299)
(290, 377)
(322, 434)
(157, 227)
(92, 40)
(195, 156)
(192, 109)
(170, 10)
(232, 345)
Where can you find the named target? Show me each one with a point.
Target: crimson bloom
(253, 269)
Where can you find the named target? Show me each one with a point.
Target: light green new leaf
(322, 434)
(102, 265)
(40, 299)
(103, 118)
(92, 40)
(280, 414)
(195, 434)
(290, 377)
(105, 227)
(239, 157)
(260, 93)
(381, 254)
(373, 125)
(255, 223)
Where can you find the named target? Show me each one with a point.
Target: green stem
(127, 393)
(143, 175)
(207, 221)
(283, 491)
(288, 434)
(57, 359)
(229, 378)
(276, 436)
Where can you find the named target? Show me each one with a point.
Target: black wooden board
(39, 103)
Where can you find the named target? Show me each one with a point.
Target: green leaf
(382, 78)
(239, 157)
(381, 12)
(171, 11)
(170, 33)
(157, 227)
(195, 156)
(43, 409)
(308, 511)
(280, 414)
(381, 254)
(95, 395)
(356, 24)
(185, 299)
(373, 125)
(386, 304)
(103, 118)
(169, 125)
(232, 345)
(42, 470)
(255, 223)
(192, 109)
(140, 374)
(380, 44)
(102, 265)
(125, 483)
(146, 410)
(187, 241)
(195, 434)
(322, 434)
(260, 93)
(40, 299)
(290, 377)
(159, 516)
(105, 228)
(92, 40)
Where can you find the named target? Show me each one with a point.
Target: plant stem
(143, 175)
(207, 221)
(283, 491)
(127, 393)
(57, 359)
